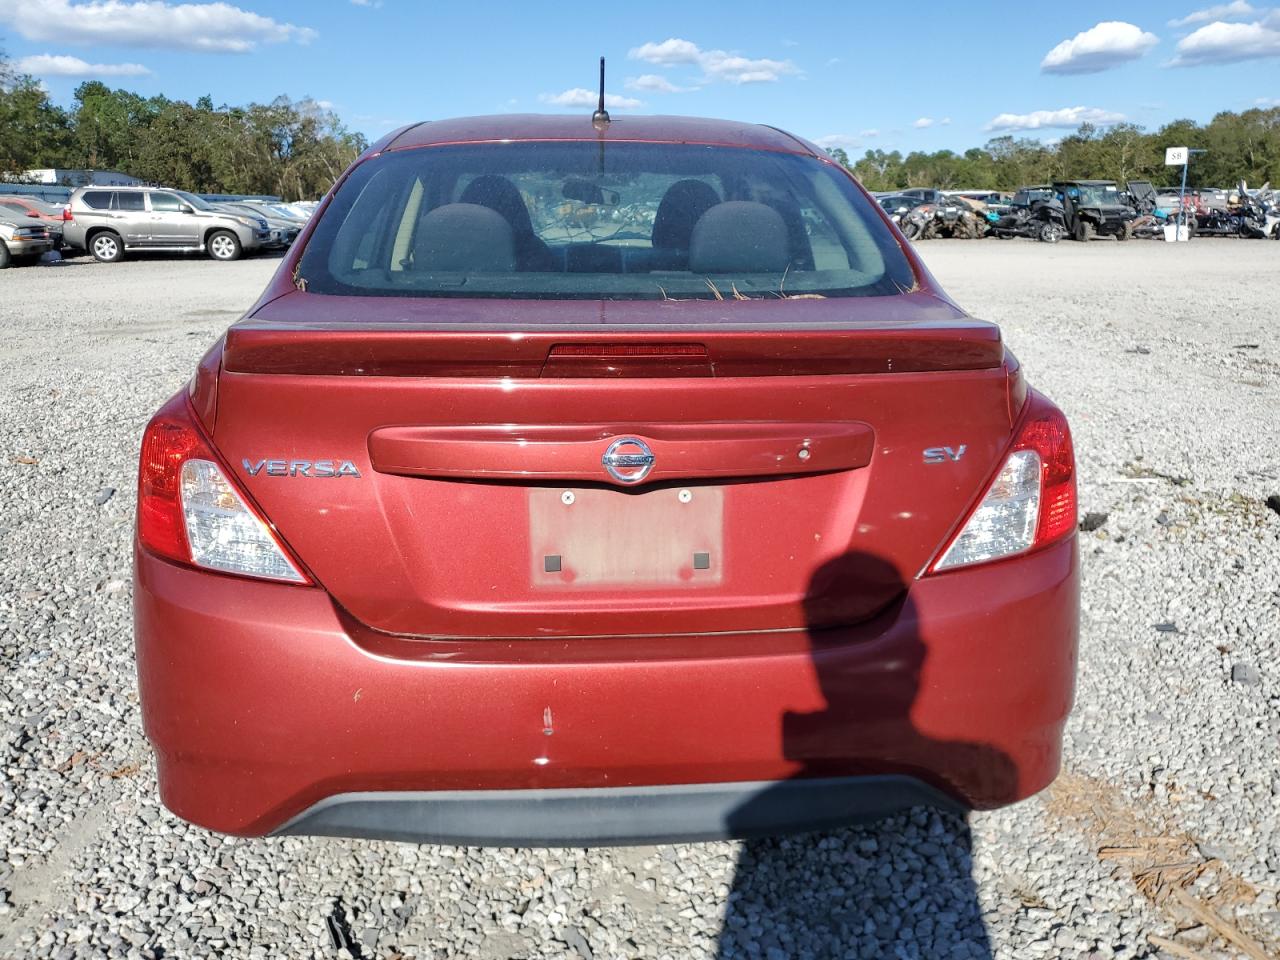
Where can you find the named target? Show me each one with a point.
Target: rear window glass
(614, 221)
(97, 199)
(129, 201)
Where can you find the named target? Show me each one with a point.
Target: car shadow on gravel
(898, 888)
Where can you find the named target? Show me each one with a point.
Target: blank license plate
(603, 537)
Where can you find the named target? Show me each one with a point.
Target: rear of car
(581, 486)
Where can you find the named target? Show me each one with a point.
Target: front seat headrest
(499, 194)
(682, 205)
(464, 238)
(739, 236)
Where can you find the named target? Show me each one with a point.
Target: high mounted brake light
(190, 510)
(1031, 503)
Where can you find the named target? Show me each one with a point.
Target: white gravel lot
(1167, 361)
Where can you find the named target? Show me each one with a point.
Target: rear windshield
(615, 221)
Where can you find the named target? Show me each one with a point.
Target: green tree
(34, 131)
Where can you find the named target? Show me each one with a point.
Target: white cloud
(924, 123)
(207, 27)
(57, 65)
(1223, 11)
(872, 132)
(1066, 118)
(372, 4)
(1230, 42)
(581, 97)
(715, 64)
(1267, 102)
(1099, 48)
(845, 141)
(667, 52)
(324, 104)
(654, 83)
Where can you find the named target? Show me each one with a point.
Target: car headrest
(499, 194)
(464, 238)
(683, 203)
(739, 236)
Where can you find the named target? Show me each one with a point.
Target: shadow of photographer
(900, 887)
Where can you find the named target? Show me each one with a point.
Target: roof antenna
(600, 119)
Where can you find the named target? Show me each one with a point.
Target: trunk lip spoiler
(378, 337)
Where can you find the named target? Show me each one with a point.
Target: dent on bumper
(264, 702)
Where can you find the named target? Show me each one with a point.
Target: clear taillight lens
(191, 511)
(1005, 521)
(223, 533)
(1032, 500)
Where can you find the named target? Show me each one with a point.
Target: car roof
(651, 129)
(126, 187)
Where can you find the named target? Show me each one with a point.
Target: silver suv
(111, 221)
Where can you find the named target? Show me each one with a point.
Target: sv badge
(944, 454)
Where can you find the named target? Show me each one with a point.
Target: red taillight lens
(191, 510)
(170, 440)
(1032, 500)
(1046, 432)
(66, 213)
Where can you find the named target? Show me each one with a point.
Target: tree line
(296, 149)
(1238, 146)
(293, 149)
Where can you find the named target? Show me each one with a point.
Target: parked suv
(110, 222)
(578, 483)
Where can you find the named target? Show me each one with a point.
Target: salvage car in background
(281, 230)
(725, 523)
(22, 243)
(898, 205)
(110, 222)
(29, 209)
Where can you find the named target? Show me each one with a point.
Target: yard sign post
(1175, 157)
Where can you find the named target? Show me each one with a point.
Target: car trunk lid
(659, 477)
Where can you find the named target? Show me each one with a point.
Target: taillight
(191, 511)
(66, 213)
(1032, 500)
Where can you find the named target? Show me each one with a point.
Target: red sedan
(580, 484)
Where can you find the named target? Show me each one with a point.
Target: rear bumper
(613, 815)
(270, 711)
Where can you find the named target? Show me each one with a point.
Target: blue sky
(923, 76)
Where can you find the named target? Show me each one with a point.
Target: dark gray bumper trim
(605, 816)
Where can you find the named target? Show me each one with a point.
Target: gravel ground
(1166, 360)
